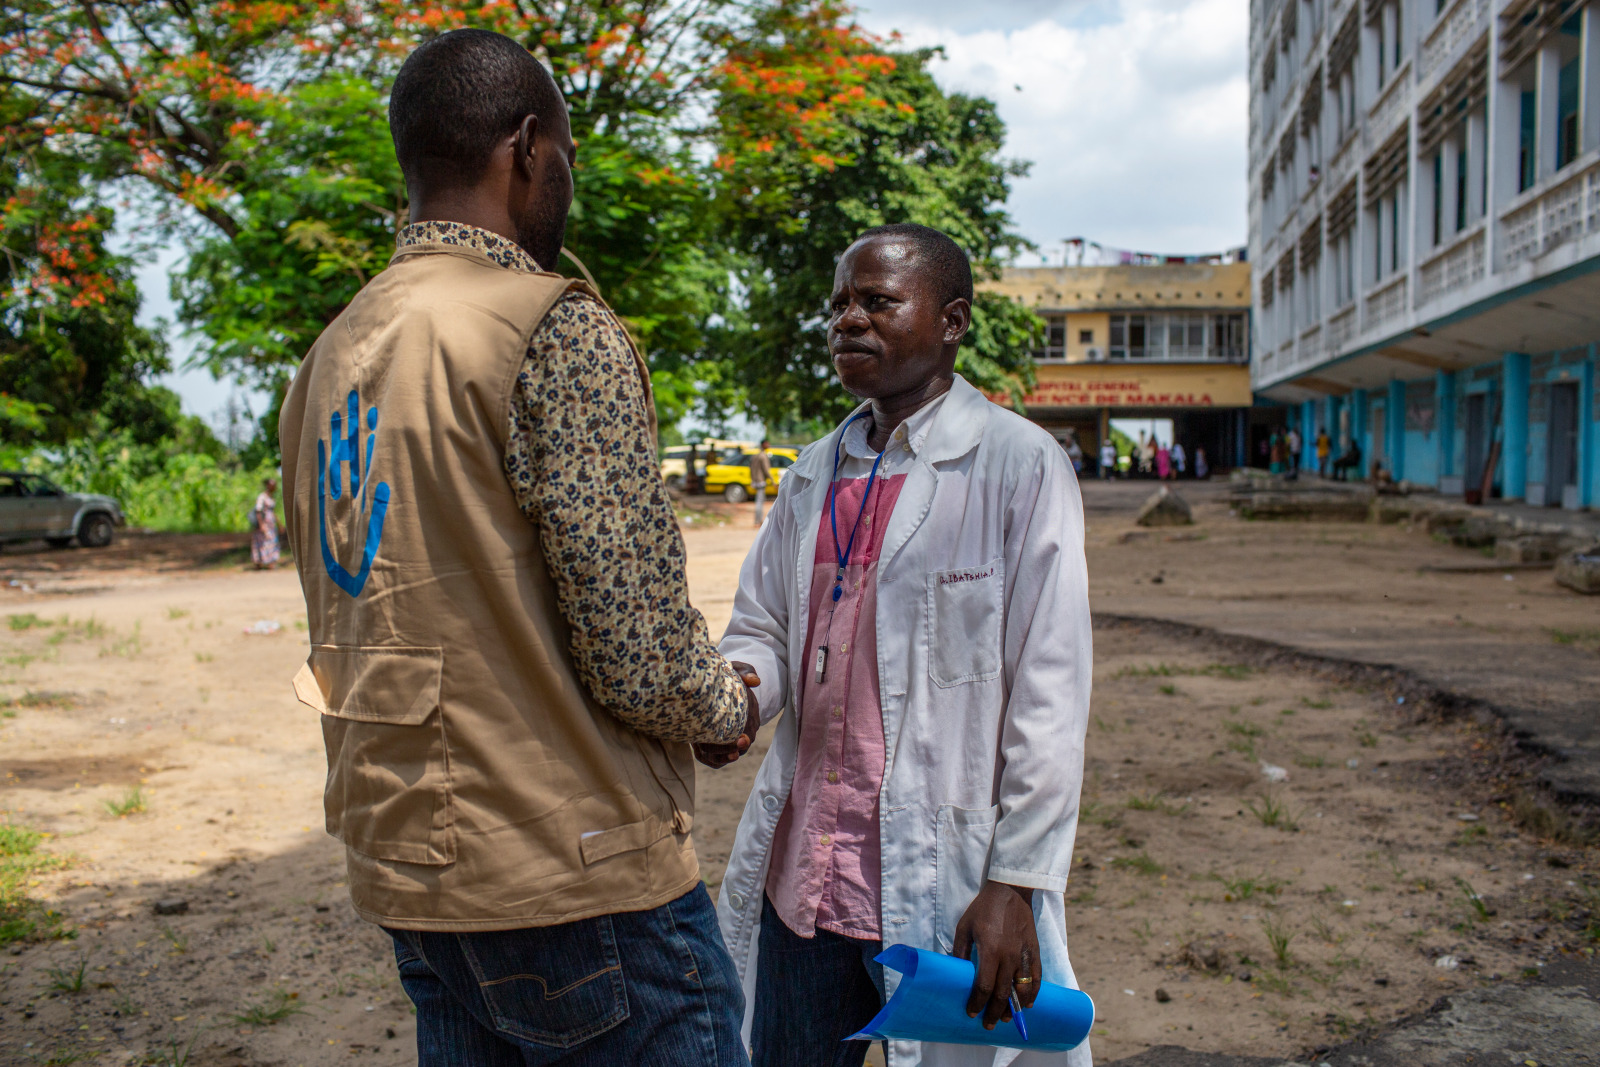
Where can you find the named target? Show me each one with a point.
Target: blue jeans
(642, 989)
(811, 994)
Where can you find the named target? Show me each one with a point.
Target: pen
(1016, 1017)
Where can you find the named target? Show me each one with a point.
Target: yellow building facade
(1167, 341)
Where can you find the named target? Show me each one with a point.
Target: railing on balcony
(1341, 328)
(1394, 102)
(1545, 218)
(1461, 264)
(1384, 303)
(1310, 348)
(1465, 20)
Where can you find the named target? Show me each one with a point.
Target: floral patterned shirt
(581, 459)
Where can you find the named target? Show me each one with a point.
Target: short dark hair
(456, 96)
(952, 270)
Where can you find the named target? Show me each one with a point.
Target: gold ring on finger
(1025, 980)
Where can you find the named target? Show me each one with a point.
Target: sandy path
(147, 679)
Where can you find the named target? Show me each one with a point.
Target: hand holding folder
(930, 1004)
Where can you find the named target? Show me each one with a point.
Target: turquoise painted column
(1358, 429)
(1308, 436)
(1444, 420)
(1588, 431)
(1394, 428)
(1515, 442)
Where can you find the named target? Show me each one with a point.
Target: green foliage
(1274, 813)
(133, 802)
(20, 915)
(69, 346)
(181, 485)
(274, 1009)
(923, 156)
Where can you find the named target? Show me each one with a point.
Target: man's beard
(542, 230)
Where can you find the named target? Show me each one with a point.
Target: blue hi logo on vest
(346, 450)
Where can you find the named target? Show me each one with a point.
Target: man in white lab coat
(918, 603)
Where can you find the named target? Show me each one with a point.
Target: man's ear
(957, 319)
(524, 146)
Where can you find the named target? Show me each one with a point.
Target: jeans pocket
(552, 986)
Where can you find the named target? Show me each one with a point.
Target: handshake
(719, 756)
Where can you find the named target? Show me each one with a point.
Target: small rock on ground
(1165, 508)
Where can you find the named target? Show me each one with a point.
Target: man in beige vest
(508, 671)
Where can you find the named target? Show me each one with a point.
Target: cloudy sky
(1134, 114)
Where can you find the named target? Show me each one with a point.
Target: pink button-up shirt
(825, 854)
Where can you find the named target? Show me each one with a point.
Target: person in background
(508, 671)
(929, 668)
(1147, 454)
(1108, 458)
(1163, 462)
(1292, 458)
(1348, 463)
(1075, 453)
(1324, 450)
(1202, 469)
(1180, 459)
(1279, 448)
(264, 528)
(760, 472)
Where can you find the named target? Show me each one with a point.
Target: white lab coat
(984, 669)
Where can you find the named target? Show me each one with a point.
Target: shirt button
(867, 520)
(736, 898)
(844, 646)
(837, 712)
(833, 776)
(769, 802)
(826, 839)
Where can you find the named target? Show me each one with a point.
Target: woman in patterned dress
(264, 528)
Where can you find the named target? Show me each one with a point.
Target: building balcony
(1456, 29)
(1454, 268)
(1385, 303)
(1563, 208)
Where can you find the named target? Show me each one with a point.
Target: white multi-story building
(1425, 233)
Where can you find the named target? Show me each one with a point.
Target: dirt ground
(1211, 906)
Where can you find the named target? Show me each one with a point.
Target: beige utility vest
(474, 781)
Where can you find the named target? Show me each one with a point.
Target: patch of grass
(1366, 738)
(1100, 724)
(1548, 822)
(1244, 729)
(1139, 862)
(179, 943)
(203, 657)
(1319, 705)
(176, 613)
(1273, 813)
(68, 979)
(1169, 690)
(1093, 812)
(1245, 888)
(1560, 637)
(173, 1055)
(1244, 746)
(1474, 899)
(63, 1057)
(1286, 711)
(1235, 671)
(126, 1006)
(1324, 932)
(1156, 801)
(276, 1008)
(128, 647)
(21, 916)
(133, 802)
(1278, 937)
(42, 698)
(30, 621)
(1276, 983)
(1301, 759)
(1471, 835)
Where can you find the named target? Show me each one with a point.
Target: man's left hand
(718, 756)
(999, 924)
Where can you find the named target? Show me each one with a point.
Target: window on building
(1438, 197)
(1528, 148)
(1178, 336)
(1055, 339)
(1086, 337)
(1461, 186)
(1567, 115)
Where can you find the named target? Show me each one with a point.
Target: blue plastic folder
(931, 1005)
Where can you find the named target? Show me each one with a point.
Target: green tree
(796, 196)
(70, 349)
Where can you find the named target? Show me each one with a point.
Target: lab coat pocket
(964, 612)
(388, 791)
(962, 840)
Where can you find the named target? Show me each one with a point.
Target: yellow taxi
(729, 474)
(675, 458)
